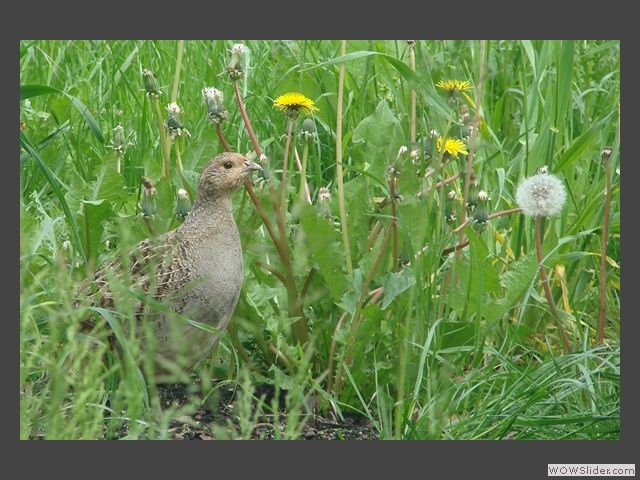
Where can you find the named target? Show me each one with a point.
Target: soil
(210, 416)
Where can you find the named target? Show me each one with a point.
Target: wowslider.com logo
(583, 469)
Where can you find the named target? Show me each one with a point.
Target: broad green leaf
(516, 281)
(325, 246)
(95, 212)
(380, 136)
(396, 283)
(108, 184)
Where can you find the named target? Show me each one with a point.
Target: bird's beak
(251, 166)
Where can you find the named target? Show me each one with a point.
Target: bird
(195, 270)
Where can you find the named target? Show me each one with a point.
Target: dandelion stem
(304, 188)
(547, 289)
(285, 162)
(224, 143)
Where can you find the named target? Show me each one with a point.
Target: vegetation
(389, 268)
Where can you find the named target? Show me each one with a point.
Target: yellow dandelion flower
(291, 104)
(454, 85)
(452, 146)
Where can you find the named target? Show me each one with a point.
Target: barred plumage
(196, 270)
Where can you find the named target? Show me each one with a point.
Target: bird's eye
(228, 165)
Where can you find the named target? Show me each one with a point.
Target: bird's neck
(209, 213)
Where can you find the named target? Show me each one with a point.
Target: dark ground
(202, 423)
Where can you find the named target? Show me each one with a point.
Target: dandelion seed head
(541, 195)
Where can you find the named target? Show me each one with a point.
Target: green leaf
(95, 212)
(396, 283)
(428, 92)
(55, 186)
(28, 91)
(380, 136)
(108, 184)
(580, 145)
(565, 81)
(516, 282)
(325, 247)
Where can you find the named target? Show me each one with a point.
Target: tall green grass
(425, 343)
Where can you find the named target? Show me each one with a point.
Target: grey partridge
(195, 270)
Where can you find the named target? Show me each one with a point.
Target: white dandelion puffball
(541, 195)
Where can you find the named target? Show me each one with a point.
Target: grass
(372, 302)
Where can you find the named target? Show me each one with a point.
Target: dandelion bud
(148, 205)
(174, 121)
(606, 153)
(238, 63)
(215, 106)
(481, 212)
(119, 142)
(541, 195)
(472, 196)
(151, 83)
(450, 204)
(324, 201)
(66, 245)
(184, 204)
(464, 114)
(308, 131)
(428, 144)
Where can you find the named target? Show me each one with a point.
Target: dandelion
(308, 132)
(292, 103)
(453, 86)
(606, 153)
(151, 83)
(119, 142)
(214, 98)
(174, 121)
(184, 204)
(238, 63)
(541, 195)
(450, 204)
(324, 201)
(451, 147)
(481, 212)
(148, 205)
(472, 196)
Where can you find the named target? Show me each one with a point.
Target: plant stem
(285, 162)
(163, 141)
(603, 254)
(304, 189)
(412, 62)
(472, 142)
(295, 309)
(547, 289)
(224, 143)
(176, 76)
(343, 211)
